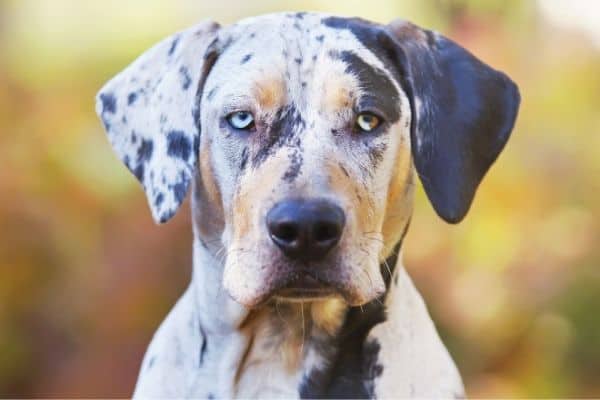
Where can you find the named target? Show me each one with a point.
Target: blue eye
(241, 120)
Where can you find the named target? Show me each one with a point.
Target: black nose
(305, 229)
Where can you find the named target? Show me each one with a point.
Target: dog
(300, 135)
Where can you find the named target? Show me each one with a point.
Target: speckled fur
(304, 77)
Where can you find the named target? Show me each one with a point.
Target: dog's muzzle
(306, 231)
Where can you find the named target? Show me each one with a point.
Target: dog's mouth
(305, 287)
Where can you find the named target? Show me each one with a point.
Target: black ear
(463, 113)
(150, 113)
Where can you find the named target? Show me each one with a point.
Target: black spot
(139, 172)
(202, 351)
(244, 159)
(124, 120)
(298, 60)
(179, 190)
(351, 372)
(211, 93)
(196, 144)
(373, 37)
(109, 103)
(344, 170)
(166, 215)
(379, 90)
(376, 153)
(173, 45)
(131, 98)
(178, 145)
(186, 81)
(320, 38)
(303, 84)
(300, 15)
(246, 58)
(210, 396)
(151, 362)
(144, 152)
(133, 138)
(287, 122)
(196, 116)
(295, 166)
(158, 200)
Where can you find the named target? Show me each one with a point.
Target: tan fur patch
(213, 205)
(399, 201)
(328, 315)
(252, 193)
(270, 92)
(336, 93)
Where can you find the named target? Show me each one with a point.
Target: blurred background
(86, 277)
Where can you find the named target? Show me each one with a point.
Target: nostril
(325, 232)
(286, 232)
(305, 229)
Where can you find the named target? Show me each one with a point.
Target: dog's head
(301, 131)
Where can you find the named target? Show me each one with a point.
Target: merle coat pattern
(304, 78)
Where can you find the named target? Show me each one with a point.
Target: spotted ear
(150, 113)
(463, 113)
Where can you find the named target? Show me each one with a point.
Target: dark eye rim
(250, 127)
(377, 115)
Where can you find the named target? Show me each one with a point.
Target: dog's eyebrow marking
(270, 93)
(377, 88)
(178, 145)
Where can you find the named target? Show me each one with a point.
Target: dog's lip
(305, 286)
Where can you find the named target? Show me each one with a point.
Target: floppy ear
(463, 113)
(150, 113)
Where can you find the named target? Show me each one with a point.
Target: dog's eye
(366, 122)
(241, 120)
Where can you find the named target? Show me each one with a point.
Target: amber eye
(241, 120)
(367, 122)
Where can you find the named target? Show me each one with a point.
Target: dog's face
(299, 128)
(296, 134)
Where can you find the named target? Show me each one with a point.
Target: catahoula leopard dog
(300, 135)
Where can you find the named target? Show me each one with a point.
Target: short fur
(304, 77)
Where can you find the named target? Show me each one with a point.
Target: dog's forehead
(298, 38)
(290, 52)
